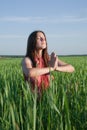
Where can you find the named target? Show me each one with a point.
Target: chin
(44, 47)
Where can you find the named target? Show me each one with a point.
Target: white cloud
(73, 34)
(67, 35)
(22, 19)
(12, 36)
(75, 19)
(56, 20)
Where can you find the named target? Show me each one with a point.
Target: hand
(53, 61)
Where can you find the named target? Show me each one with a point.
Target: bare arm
(31, 71)
(60, 65)
(64, 67)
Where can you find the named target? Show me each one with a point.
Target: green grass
(62, 107)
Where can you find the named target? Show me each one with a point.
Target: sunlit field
(62, 107)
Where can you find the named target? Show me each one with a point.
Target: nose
(42, 39)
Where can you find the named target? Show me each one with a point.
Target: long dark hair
(31, 48)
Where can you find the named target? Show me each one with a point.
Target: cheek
(44, 45)
(41, 45)
(38, 44)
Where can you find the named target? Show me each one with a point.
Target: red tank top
(42, 81)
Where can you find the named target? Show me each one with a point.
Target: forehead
(40, 34)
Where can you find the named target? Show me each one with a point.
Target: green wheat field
(62, 107)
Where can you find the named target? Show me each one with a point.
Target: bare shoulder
(26, 62)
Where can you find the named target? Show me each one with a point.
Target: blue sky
(63, 21)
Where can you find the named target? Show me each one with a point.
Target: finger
(53, 54)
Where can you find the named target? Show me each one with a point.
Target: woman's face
(40, 41)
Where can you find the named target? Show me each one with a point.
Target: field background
(62, 107)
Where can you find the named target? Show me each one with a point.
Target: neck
(39, 53)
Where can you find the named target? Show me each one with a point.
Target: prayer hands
(53, 61)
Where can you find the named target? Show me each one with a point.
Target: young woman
(37, 63)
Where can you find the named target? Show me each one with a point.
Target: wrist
(57, 68)
(51, 69)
